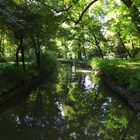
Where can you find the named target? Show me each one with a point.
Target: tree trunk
(2, 49)
(38, 48)
(84, 52)
(37, 51)
(38, 57)
(79, 55)
(20, 47)
(97, 44)
(127, 51)
(0, 45)
(23, 57)
(17, 57)
(79, 52)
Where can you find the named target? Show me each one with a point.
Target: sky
(119, 2)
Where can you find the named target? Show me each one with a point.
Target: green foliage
(134, 83)
(105, 65)
(17, 75)
(126, 72)
(48, 60)
(2, 59)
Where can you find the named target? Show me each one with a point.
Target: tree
(134, 12)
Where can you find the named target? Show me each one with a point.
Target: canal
(72, 104)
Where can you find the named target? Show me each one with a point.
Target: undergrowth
(125, 72)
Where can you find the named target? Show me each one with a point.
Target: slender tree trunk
(127, 51)
(17, 57)
(23, 57)
(79, 55)
(79, 51)
(0, 45)
(97, 44)
(2, 49)
(37, 51)
(38, 58)
(84, 52)
(20, 47)
(34, 45)
(133, 49)
(38, 47)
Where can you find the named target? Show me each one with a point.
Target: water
(71, 105)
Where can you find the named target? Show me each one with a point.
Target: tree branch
(64, 10)
(69, 7)
(58, 11)
(82, 14)
(128, 3)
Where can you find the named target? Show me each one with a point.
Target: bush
(125, 72)
(48, 60)
(17, 74)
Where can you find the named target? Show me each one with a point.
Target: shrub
(125, 72)
(48, 60)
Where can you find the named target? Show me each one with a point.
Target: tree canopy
(71, 28)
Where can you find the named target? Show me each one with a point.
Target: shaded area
(72, 105)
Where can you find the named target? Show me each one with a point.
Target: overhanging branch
(58, 11)
(84, 11)
(66, 9)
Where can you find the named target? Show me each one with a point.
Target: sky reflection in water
(70, 106)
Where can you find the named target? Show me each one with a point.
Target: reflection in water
(71, 106)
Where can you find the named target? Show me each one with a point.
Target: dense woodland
(36, 32)
(79, 29)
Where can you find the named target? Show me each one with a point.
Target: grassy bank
(12, 76)
(125, 72)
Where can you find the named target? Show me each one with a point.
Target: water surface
(71, 105)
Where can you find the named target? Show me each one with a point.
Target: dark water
(71, 105)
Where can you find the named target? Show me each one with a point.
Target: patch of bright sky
(65, 25)
(118, 2)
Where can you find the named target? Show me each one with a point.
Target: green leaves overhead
(70, 24)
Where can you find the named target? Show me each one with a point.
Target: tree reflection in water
(69, 107)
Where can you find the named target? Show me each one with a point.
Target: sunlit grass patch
(125, 72)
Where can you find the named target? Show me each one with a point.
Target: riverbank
(14, 80)
(122, 76)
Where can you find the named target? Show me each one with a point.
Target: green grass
(125, 72)
(12, 74)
